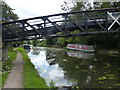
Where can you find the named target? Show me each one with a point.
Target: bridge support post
(0, 43)
(0, 49)
(4, 51)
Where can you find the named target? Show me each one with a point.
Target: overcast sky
(33, 8)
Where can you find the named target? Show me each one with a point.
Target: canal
(69, 68)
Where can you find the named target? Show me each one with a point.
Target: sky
(34, 8)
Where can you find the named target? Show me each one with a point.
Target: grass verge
(12, 54)
(31, 77)
(7, 65)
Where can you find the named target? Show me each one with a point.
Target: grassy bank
(31, 77)
(7, 65)
(12, 54)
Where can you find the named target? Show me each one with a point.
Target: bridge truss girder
(87, 22)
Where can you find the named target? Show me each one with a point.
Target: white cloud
(33, 8)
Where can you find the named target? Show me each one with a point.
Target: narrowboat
(26, 46)
(86, 48)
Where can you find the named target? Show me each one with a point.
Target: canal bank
(97, 50)
(67, 68)
(31, 77)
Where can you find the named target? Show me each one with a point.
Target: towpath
(15, 78)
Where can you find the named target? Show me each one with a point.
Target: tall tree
(7, 13)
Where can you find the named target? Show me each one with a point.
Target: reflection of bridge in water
(87, 22)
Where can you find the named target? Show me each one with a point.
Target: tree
(7, 13)
(110, 40)
(35, 42)
(68, 5)
(72, 5)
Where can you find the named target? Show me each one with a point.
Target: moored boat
(26, 46)
(86, 48)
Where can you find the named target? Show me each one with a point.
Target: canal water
(74, 68)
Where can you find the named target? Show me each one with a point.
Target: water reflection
(80, 54)
(50, 72)
(28, 50)
(92, 71)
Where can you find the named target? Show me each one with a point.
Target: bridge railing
(86, 22)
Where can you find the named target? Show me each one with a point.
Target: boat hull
(86, 48)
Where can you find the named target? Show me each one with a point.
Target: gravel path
(15, 78)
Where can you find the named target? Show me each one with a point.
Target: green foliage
(102, 41)
(99, 41)
(118, 84)
(12, 54)
(7, 13)
(61, 42)
(102, 78)
(31, 76)
(24, 53)
(78, 6)
(6, 66)
(110, 5)
(49, 41)
(106, 5)
(42, 43)
(4, 77)
(35, 42)
(107, 76)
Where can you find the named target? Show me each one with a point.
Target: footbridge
(88, 22)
